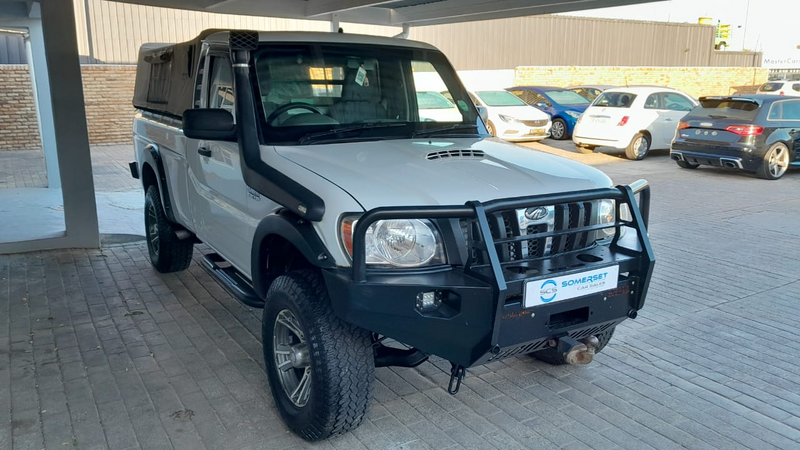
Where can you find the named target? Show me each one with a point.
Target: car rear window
(615, 100)
(771, 87)
(715, 108)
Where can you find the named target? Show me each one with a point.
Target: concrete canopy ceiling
(388, 12)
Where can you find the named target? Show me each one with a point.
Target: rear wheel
(775, 162)
(638, 148)
(558, 130)
(320, 369)
(584, 148)
(554, 357)
(167, 252)
(687, 165)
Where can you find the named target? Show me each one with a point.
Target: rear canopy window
(726, 109)
(615, 100)
(566, 98)
(771, 87)
(500, 98)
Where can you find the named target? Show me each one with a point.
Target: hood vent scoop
(465, 153)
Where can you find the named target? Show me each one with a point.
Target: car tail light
(623, 121)
(781, 93)
(682, 125)
(745, 130)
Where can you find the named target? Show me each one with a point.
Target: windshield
(714, 108)
(365, 91)
(433, 100)
(614, 100)
(567, 98)
(499, 98)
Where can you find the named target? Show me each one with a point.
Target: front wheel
(775, 162)
(638, 147)
(320, 369)
(558, 130)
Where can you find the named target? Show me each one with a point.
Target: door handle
(793, 132)
(203, 151)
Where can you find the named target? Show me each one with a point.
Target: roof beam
(321, 7)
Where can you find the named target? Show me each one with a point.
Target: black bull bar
(481, 316)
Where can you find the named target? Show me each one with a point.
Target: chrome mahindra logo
(536, 213)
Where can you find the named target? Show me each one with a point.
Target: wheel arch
(289, 236)
(156, 176)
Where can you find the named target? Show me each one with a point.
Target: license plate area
(552, 290)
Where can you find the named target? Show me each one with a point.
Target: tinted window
(791, 110)
(499, 98)
(771, 87)
(676, 102)
(796, 87)
(652, 102)
(775, 111)
(615, 100)
(726, 109)
(566, 98)
(433, 100)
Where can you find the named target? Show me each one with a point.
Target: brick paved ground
(99, 351)
(26, 168)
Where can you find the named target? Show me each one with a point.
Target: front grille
(513, 223)
(535, 123)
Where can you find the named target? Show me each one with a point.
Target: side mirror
(484, 113)
(209, 124)
(542, 105)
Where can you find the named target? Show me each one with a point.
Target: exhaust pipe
(731, 163)
(578, 352)
(677, 156)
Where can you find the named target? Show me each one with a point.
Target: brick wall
(108, 91)
(19, 129)
(695, 81)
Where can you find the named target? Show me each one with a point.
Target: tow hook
(578, 352)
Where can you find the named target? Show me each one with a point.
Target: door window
(791, 110)
(220, 88)
(653, 102)
(676, 102)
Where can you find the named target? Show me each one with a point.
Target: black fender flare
(297, 231)
(152, 157)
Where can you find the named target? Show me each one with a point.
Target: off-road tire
(563, 126)
(584, 149)
(633, 152)
(341, 359)
(167, 252)
(775, 163)
(552, 356)
(687, 165)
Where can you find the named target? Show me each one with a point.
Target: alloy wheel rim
(778, 161)
(640, 145)
(558, 130)
(152, 230)
(292, 358)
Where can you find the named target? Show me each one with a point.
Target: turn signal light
(745, 130)
(682, 125)
(623, 121)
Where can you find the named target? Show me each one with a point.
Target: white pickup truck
(371, 236)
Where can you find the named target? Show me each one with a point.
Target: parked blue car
(563, 105)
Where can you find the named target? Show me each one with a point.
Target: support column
(69, 122)
(335, 23)
(44, 110)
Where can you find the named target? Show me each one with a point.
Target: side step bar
(231, 280)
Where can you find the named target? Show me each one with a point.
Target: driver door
(219, 193)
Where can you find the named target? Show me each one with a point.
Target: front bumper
(481, 316)
(522, 132)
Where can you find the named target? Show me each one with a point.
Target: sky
(766, 25)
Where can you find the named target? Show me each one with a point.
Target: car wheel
(554, 357)
(584, 148)
(490, 128)
(167, 252)
(638, 147)
(320, 368)
(558, 130)
(775, 162)
(687, 165)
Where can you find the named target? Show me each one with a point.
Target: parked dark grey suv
(757, 133)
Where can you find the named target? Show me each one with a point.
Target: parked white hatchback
(780, 87)
(510, 118)
(635, 119)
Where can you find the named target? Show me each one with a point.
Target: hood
(520, 112)
(418, 172)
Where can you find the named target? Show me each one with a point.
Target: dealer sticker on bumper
(551, 290)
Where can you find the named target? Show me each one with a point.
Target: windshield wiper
(364, 126)
(458, 126)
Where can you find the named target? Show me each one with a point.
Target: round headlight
(606, 213)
